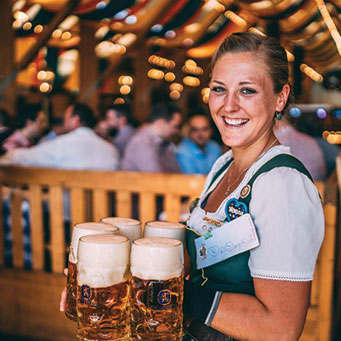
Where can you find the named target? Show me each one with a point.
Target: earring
(278, 115)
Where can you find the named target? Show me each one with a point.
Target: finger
(66, 271)
(62, 300)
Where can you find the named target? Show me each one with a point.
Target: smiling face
(242, 100)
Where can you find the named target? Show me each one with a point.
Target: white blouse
(287, 213)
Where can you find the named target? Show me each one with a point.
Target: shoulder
(140, 135)
(125, 133)
(142, 138)
(214, 147)
(283, 177)
(213, 144)
(280, 169)
(286, 196)
(185, 146)
(76, 134)
(129, 129)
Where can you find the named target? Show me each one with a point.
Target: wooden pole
(7, 97)
(88, 64)
(142, 85)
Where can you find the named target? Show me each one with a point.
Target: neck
(155, 128)
(202, 147)
(121, 125)
(246, 157)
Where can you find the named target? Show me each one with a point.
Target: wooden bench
(29, 299)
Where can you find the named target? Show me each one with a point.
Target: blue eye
(248, 91)
(217, 89)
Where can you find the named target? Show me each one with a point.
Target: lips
(235, 122)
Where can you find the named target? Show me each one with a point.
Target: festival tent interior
(144, 49)
(141, 51)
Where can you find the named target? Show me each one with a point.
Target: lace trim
(283, 278)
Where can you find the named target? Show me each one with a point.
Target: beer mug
(165, 229)
(103, 287)
(131, 228)
(157, 268)
(80, 230)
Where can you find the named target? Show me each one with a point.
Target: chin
(229, 142)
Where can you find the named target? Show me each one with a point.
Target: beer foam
(165, 229)
(165, 224)
(103, 260)
(84, 229)
(130, 228)
(157, 258)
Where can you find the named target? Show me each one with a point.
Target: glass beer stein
(165, 229)
(130, 228)
(80, 230)
(157, 289)
(103, 280)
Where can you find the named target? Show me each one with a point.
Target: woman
(257, 194)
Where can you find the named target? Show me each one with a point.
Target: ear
(282, 98)
(76, 121)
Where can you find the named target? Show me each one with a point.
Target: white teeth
(235, 122)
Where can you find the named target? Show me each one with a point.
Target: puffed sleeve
(288, 216)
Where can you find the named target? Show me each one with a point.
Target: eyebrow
(240, 83)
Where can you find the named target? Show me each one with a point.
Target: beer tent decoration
(196, 26)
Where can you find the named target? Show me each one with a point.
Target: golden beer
(103, 313)
(103, 288)
(156, 289)
(130, 228)
(71, 292)
(165, 229)
(79, 231)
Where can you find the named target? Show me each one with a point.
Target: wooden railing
(29, 299)
(91, 194)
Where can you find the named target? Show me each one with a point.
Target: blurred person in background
(197, 153)
(151, 149)
(311, 125)
(78, 148)
(118, 118)
(303, 146)
(30, 124)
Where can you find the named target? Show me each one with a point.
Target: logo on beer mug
(164, 297)
(86, 292)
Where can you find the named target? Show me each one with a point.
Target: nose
(231, 102)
